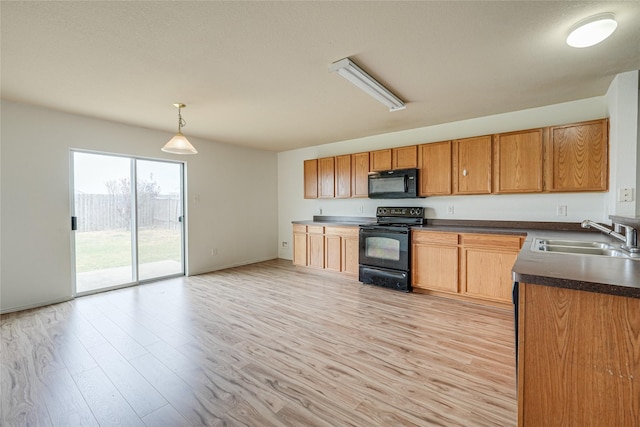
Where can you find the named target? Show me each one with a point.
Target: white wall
(539, 207)
(231, 199)
(622, 98)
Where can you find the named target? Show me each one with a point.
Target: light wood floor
(261, 345)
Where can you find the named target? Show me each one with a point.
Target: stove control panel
(402, 212)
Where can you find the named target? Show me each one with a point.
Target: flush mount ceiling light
(356, 75)
(592, 31)
(179, 143)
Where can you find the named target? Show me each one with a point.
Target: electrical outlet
(320, 210)
(361, 209)
(214, 251)
(285, 244)
(450, 210)
(561, 210)
(625, 194)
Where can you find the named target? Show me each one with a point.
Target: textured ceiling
(256, 73)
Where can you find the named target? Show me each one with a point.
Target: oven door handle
(384, 231)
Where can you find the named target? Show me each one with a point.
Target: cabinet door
(311, 179)
(435, 267)
(578, 358)
(326, 177)
(300, 248)
(315, 250)
(350, 253)
(487, 273)
(517, 163)
(434, 161)
(359, 175)
(343, 176)
(580, 156)
(404, 157)
(472, 165)
(380, 160)
(333, 252)
(486, 262)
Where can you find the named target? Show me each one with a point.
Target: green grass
(98, 250)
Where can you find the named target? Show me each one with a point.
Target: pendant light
(179, 143)
(592, 31)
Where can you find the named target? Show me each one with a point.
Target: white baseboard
(222, 267)
(36, 305)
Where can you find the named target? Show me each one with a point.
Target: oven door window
(382, 248)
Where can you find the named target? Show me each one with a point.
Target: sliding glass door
(159, 202)
(127, 215)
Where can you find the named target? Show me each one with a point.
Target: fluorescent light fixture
(592, 30)
(179, 144)
(356, 75)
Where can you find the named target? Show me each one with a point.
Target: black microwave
(394, 184)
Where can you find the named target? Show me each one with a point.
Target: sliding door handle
(74, 223)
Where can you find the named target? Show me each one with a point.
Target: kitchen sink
(573, 243)
(578, 247)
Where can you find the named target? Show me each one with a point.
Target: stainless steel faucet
(630, 237)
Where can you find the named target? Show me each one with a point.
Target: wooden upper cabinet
(472, 165)
(434, 161)
(343, 176)
(359, 175)
(311, 179)
(326, 177)
(380, 160)
(517, 162)
(579, 156)
(394, 158)
(404, 157)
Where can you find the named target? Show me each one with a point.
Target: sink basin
(583, 251)
(577, 247)
(573, 243)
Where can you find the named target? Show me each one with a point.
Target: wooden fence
(96, 212)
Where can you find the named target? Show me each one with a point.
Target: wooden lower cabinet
(350, 252)
(435, 261)
(329, 248)
(469, 265)
(299, 244)
(333, 252)
(578, 358)
(486, 263)
(315, 246)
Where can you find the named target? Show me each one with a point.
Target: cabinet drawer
(315, 229)
(334, 231)
(434, 237)
(492, 240)
(349, 231)
(299, 228)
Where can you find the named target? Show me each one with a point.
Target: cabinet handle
(464, 172)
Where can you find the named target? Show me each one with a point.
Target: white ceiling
(256, 73)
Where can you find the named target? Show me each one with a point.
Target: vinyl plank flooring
(140, 395)
(266, 344)
(64, 401)
(166, 416)
(178, 393)
(105, 401)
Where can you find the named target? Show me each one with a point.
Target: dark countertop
(338, 221)
(608, 275)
